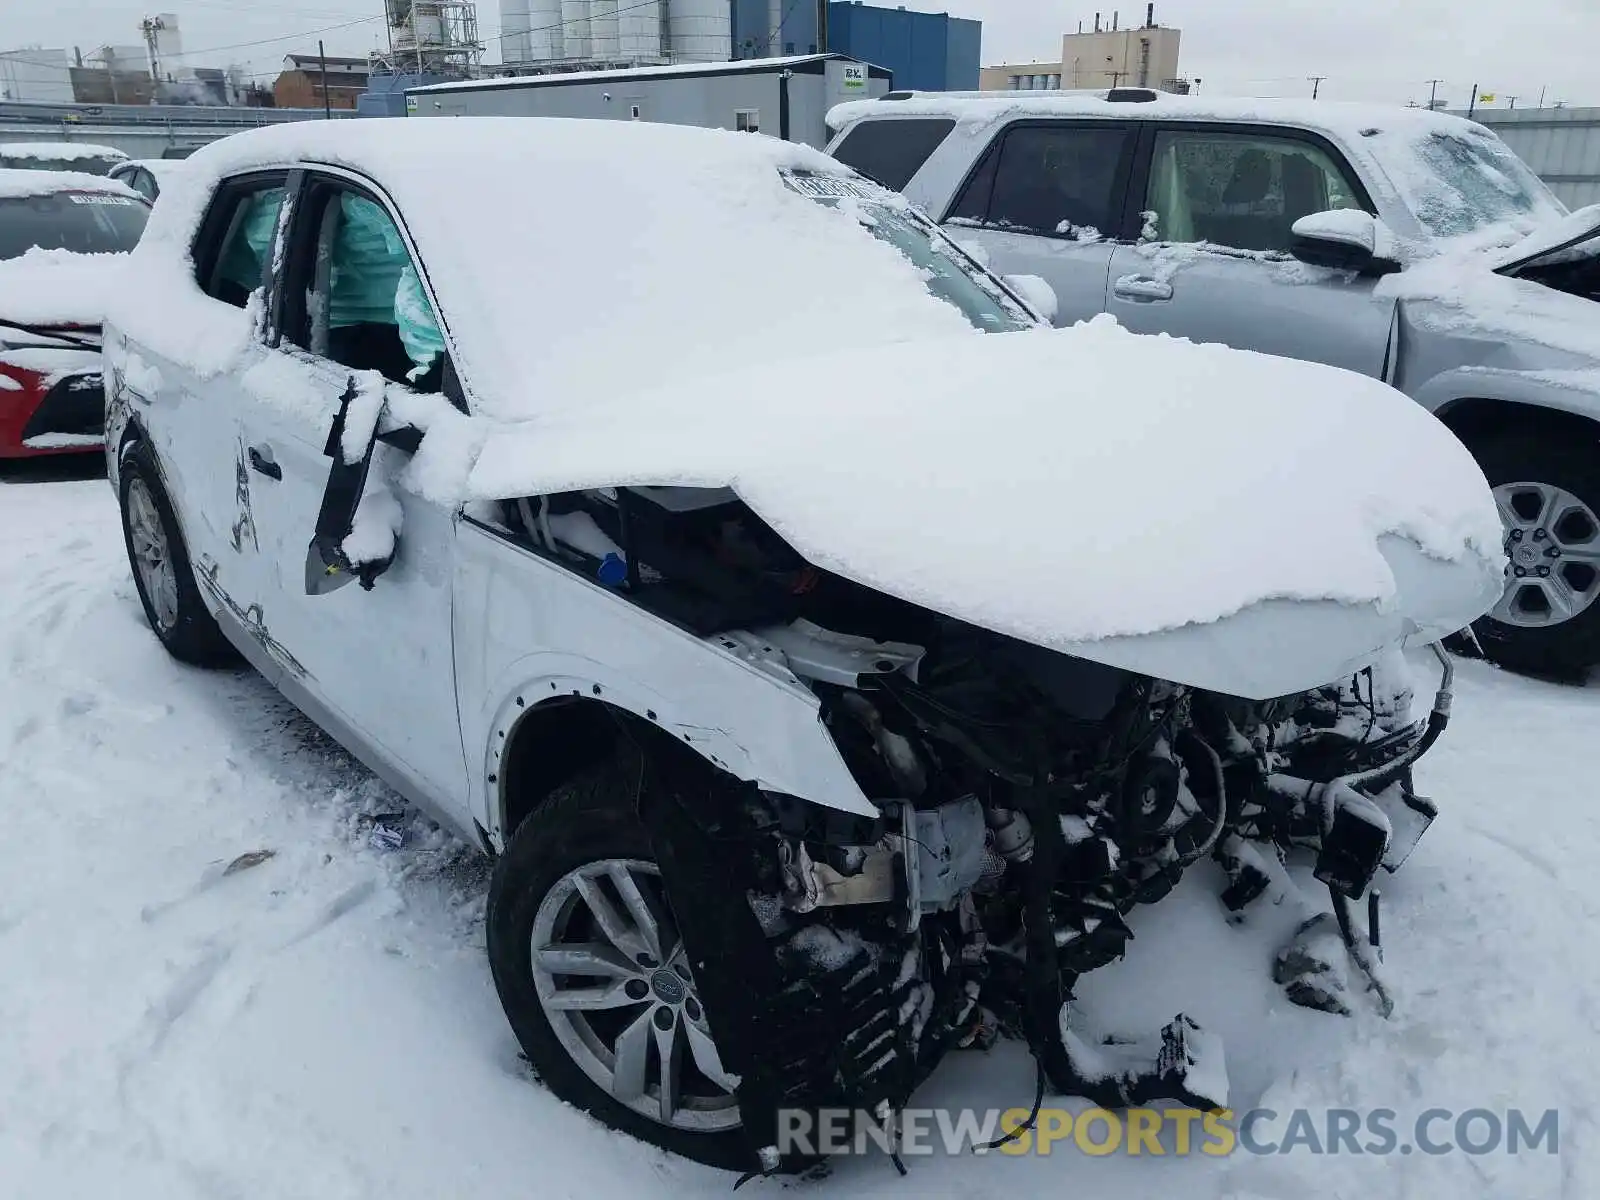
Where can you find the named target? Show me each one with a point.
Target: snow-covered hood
(1547, 239)
(1249, 524)
(60, 287)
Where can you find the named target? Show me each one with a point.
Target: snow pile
(1066, 485)
(19, 184)
(62, 287)
(375, 529)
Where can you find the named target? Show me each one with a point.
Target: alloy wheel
(617, 988)
(152, 555)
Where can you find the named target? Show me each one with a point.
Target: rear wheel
(595, 980)
(1548, 492)
(161, 569)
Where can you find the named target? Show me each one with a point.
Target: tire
(176, 610)
(1564, 476)
(590, 824)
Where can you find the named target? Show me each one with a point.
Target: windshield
(1469, 181)
(948, 273)
(85, 222)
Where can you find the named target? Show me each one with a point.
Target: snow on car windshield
(1464, 182)
(948, 272)
(83, 222)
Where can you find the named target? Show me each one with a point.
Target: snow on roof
(18, 182)
(1335, 118)
(742, 66)
(65, 151)
(573, 258)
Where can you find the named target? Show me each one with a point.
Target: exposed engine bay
(1028, 802)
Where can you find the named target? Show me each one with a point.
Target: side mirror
(328, 565)
(1036, 293)
(1343, 239)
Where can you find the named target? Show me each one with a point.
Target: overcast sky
(1368, 49)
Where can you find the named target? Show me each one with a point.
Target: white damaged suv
(827, 665)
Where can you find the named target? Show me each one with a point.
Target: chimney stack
(1116, 18)
(1150, 15)
(1097, 22)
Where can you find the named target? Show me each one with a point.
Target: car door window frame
(1127, 171)
(211, 238)
(1144, 165)
(300, 264)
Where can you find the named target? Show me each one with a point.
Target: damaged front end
(1028, 802)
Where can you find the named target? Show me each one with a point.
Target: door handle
(1141, 287)
(261, 462)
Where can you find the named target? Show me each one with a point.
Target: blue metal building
(925, 51)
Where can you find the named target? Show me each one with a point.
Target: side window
(1244, 191)
(238, 237)
(1060, 180)
(364, 304)
(144, 183)
(892, 151)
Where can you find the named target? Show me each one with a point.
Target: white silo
(639, 31)
(604, 31)
(575, 29)
(514, 36)
(699, 30)
(544, 30)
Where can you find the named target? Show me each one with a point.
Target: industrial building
(1108, 55)
(931, 52)
(310, 81)
(788, 97)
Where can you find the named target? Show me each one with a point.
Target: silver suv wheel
(1553, 544)
(616, 986)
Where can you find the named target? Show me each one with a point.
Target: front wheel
(596, 981)
(1548, 492)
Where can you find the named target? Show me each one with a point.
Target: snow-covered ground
(322, 1023)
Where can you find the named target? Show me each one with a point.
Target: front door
(354, 314)
(1212, 261)
(1047, 199)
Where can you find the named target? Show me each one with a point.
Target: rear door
(377, 663)
(193, 420)
(1049, 198)
(1211, 261)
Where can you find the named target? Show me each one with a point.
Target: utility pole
(1116, 77)
(322, 59)
(1433, 93)
(1512, 100)
(1472, 105)
(1541, 96)
(822, 26)
(1316, 84)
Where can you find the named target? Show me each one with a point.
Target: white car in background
(84, 157)
(147, 176)
(776, 598)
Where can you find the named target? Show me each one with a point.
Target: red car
(64, 241)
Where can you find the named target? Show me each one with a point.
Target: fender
(785, 749)
(733, 704)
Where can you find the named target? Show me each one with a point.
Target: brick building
(300, 83)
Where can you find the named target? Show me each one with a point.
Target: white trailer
(787, 97)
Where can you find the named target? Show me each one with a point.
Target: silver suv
(1410, 246)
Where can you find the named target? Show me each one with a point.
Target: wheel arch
(538, 747)
(1473, 418)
